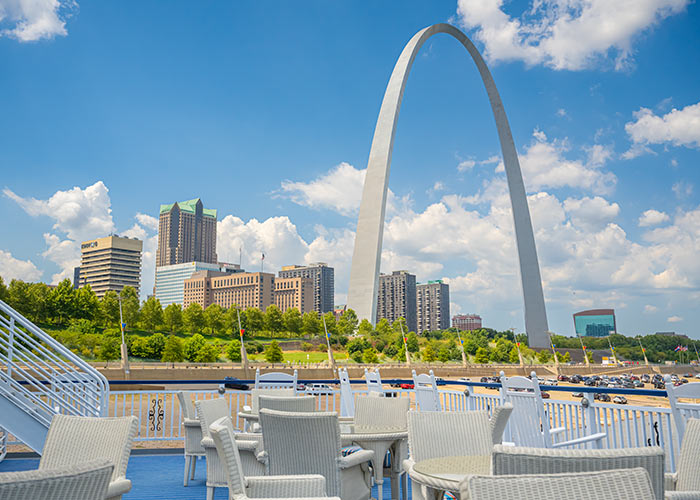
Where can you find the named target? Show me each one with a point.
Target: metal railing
(41, 377)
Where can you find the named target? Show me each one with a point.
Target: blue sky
(266, 111)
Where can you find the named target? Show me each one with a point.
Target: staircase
(39, 377)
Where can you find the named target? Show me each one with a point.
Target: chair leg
(404, 486)
(194, 466)
(188, 464)
(210, 493)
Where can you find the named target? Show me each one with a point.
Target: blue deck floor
(156, 477)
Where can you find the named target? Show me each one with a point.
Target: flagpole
(696, 352)
(644, 352)
(405, 344)
(244, 355)
(583, 347)
(612, 349)
(331, 359)
(461, 345)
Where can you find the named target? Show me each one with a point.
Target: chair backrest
(221, 431)
(511, 460)
(294, 403)
(682, 411)
(689, 461)
(256, 393)
(347, 399)
(606, 485)
(374, 381)
(434, 434)
(381, 414)
(84, 481)
(427, 395)
(275, 380)
(529, 426)
(210, 410)
(303, 443)
(499, 420)
(72, 440)
(186, 405)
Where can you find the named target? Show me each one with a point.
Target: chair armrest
(208, 442)
(557, 430)
(247, 409)
(247, 436)
(584, 439)
(357, 458)
(311, 485)
(118, 487)
(247, 445)
(408, 464)
(190, 422)
(682, 495)
(670, 480)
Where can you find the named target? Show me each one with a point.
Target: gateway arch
(366, 259)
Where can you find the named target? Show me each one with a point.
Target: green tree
(255, 319)
(513, 356)
(173, 352)
(292, 320)
(109, 349)
(384, 328)
(444, 354)
(64, 301)
(273, 319)
(214, 318)
(501, 352)
(233, 351)
(193, 317)
(412, 342)
(151, 314)
(18, 297)
(3, 290)
(41, 304)
(358, 344)
(347, 324)
(311, 324)
(109, 308)
(369, 356)
(130, 306)
(87, 306)
(232, 314)
(365, 329)
(429, 354)
(156, 345)
(544, 356)
(331, 324)
(172, 317)
(566, 357)
(193, 345)
(273, 353)
(208, 353)
(482, 355)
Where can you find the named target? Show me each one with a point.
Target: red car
(407, 386)
(545, 395)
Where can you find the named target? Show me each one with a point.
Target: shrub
(370, 356)
(208, 353)
(193, 345)
(109, 349)
(273, 353)
(305, 346)
(173, 351)
(356, 356)
(233, 351)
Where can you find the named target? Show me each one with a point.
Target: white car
(552, 381)
(318, 389)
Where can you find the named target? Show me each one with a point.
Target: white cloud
(591, 213)
(674, 319)
(465, 165)
(33, 20)
(649, 309)
(561, 112)
(682, 189)
(564, 34)
(12, 268)
(677, 127)
(147, 221)
(652, 218)
(146, 234)
(64, 253)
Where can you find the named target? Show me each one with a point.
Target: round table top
(454, 468)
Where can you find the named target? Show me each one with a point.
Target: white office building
(170, 280)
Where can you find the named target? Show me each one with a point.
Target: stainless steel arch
(364, 274)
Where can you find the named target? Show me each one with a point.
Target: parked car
(545, 395)
(463, 379)
(621, 400)
(407, 386)
(235, 384)
(638, 384)
(577, 395)
(601, 396)
(660, 385)
(319, 389)
(563, 378)
(440, 381)
(552, 381)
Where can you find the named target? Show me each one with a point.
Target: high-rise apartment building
(170, 280)
(294, 293)
(186, 233)
(110, 263)
(243, 289)
(397, 298)
(432, 306)
(466, 322)
(324, 283)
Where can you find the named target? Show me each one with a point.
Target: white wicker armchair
(193, 435)
(309, 443)
(686, 480)
(241, 487)
(510, 460)
(682, 411)
(627, 484)
(295, 403)
(72, 440)
(84, 481)
(250, 412)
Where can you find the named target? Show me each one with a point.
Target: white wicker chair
(193, 435)
(83, 481)
(529, 423)
(347, 398)
(682, 411)
(627, 484)
(250, 412)
(295, 403)
(72, 440)
(686, 480)
(309, 443)
(275, 380)
(427, 395)
(374, 381)
(444, 434)
(241, 487)
(499, 420)
(510, 460)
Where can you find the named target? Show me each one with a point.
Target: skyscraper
(186, 233)
(432, 306)
(397, 298)
(324, 283)
(110, 263)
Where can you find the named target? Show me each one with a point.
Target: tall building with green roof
(186, 233)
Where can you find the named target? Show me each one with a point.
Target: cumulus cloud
(12, 268)
(591, 213)
(564, 34)
(652, 218)
(674, 319)
(682, 189)
(648, 309)
(677, 127)
(465, 165)
(34, 20)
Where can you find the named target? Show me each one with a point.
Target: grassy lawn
(300, 356)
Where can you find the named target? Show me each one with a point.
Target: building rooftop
(189, 206)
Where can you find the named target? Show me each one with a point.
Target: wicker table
(442, 474)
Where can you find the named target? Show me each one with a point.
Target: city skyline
(606, 131)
